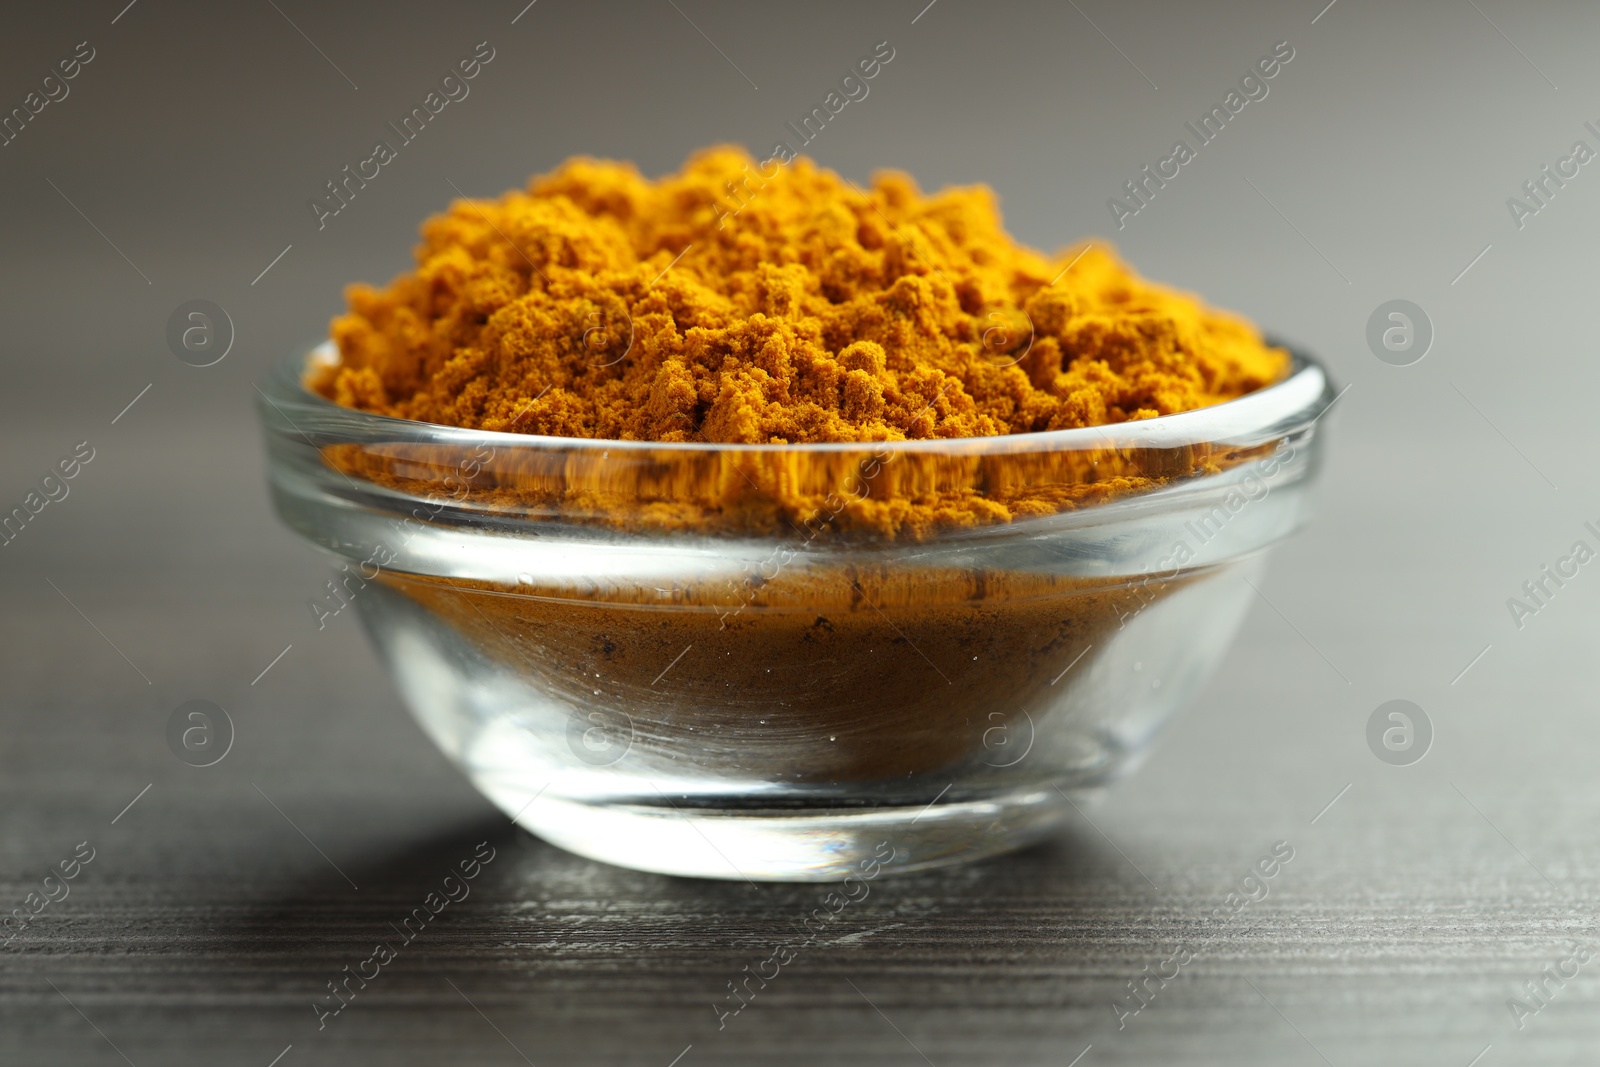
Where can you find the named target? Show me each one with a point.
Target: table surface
(220, 902)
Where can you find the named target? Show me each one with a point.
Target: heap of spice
(744, 302)
(780, 304)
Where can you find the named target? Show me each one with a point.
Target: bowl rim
(1287, 406)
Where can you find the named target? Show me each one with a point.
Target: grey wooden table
(220, 902)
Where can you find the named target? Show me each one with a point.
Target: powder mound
(745, 302)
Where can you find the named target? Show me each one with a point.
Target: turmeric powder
(863, 674)
(740, 303)
(768, 303)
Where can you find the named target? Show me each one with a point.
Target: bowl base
(777, 845)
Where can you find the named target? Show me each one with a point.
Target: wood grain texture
(207, 924)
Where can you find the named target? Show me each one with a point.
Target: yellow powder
(744, 302)
(779, 304)
(871, 674)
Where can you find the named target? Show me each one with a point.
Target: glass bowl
(794, 662)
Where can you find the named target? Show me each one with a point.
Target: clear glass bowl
(758, 661)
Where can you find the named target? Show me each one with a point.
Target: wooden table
(221, 901)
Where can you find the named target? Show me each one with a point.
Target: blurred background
(178, 166)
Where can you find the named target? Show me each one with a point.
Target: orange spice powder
(736, 302)
(744, 302)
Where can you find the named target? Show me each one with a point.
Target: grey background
(1415, 906)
